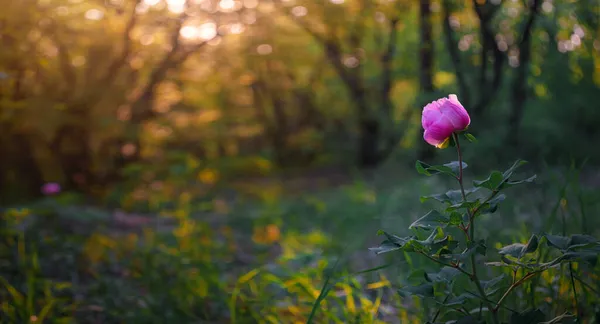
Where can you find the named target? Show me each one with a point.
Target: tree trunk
(425, 151)
(519, 89)
(369, 138)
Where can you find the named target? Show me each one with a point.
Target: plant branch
(512, 287)
(455, 266)
(471, 227)
(574, 289)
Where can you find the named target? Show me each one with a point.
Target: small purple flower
(50, 188)
(443, 117)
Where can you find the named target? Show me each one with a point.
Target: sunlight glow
(176, 6)
(226, 4)
(337, 1)
(94, 14)
(264, 49)
(205, 31)
(299, 11)
(151, 2)
(208, 30)
(250, 4)
(141, 8)
(237, 28)
(351, 61)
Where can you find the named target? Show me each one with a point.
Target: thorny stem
(471, 234)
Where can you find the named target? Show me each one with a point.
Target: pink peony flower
(50, 188)
(443, 117)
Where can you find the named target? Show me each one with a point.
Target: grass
(272, 258)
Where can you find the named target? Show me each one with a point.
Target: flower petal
(431, 113)
(436, 134)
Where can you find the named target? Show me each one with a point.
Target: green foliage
(463, 257)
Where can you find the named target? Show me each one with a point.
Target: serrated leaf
(496, 264)
(424, 290)
(458, 300)
(493, 181)
(392, 243)
(587, 256)
(385, 247)
(454, 166)
(430, 220)
(508, 173)
(513, 250)
(422, 168)
(416, 276)
(463, 205)
(527, 317)
(479, 248)
(455, 218)
(451, 197)
(448, 168)
(443, 246)
(580, 240)
(559, 242)
(509, 184)
(491, 206)
(531, 246)
(446, 274)
(491, 284)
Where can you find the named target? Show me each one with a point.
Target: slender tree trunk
(426, 63)
(519, 89)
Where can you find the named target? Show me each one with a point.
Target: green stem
(471, 226)
(512, 287)
(447, 264)
(574, 290)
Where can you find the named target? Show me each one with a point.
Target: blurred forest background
(225, 134)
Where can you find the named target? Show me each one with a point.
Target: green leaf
(446, 274)
(496, 264)
(580, 240)
(454, 166)
(491, 206)
(566, 318)
(422, 168)
(469, 319)
(451, 197)
(443, 246)
(489, 285)
(392, 243)
(576, 241)
(431, 219)
(464, 204)
(478, 248)
(518, 250)
(451, 168)
(527, 317)
(424, 290)
(515, 250)
(470, 137)
(416, 276)
(508, 173)
(509, 184)
(455, 218)
(385, 247)
(493, 181)
(531, 245)
(458, 300)
(559, 242)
